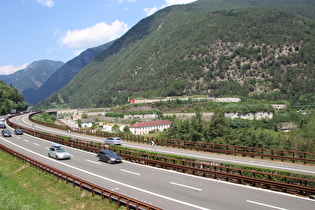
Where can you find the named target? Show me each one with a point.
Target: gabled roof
(150, 124)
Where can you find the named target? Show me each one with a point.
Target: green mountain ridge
(33, 76)
(214, 47)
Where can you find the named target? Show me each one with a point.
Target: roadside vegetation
(45, 117)
(23, 187)
(251, 133)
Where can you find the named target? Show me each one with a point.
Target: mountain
(63, 75)
(33, 76)
(253, 48)
(10, 99)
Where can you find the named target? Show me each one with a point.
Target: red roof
(150, 124)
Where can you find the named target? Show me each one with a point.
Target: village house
(141, 128)
(86, 123)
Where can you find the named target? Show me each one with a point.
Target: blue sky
(60, 30)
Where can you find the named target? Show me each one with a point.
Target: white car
(58, 152)
(113, 140)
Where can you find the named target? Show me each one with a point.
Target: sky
(59, 30)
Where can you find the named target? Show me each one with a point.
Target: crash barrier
(121, 200)
(277, 182)
(271, 154)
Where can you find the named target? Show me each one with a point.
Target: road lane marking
(114, 181)
(130, 172)
(92, 161)
(263, 204)
(36, 144)
(194, 188)
(26, 140)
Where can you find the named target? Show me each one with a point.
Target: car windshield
(111, 153)
(60, 149)
(114, 138)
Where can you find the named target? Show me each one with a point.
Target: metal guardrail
(130, 203)
(294, 185)
(272, 154)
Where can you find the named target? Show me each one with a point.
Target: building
(279, 106)
(250, 116)
(142, 101)
(141, 128)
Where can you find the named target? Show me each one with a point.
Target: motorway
(162, 188)
(278, 165)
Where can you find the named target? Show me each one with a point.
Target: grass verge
(24, 187)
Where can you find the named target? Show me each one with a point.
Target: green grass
(24, 187)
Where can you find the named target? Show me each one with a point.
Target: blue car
(18, 132)
(6, 133)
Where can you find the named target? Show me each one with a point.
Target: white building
(141, 128)
(250, 116)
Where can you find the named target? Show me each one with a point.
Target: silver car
(113, 140)
(58, 152)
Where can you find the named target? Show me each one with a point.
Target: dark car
(6, 133)
(18, 132)
(108, 156)
(2, 125)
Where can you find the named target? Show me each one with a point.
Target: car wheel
(109, 161)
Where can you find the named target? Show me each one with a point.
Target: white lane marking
(232, 161)
(91, 161)
(130, 172)
(26, 140)
(114, 181)
(194, 188)
(263, 204)
(36, 144)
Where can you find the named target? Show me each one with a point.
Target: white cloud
(46, 3)
(10, 69)
(150, 11)
(172, 2)
(93, 36)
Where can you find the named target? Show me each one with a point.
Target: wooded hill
(10, 99)
(259, 49)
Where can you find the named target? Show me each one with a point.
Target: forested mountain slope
(33, 76)
(63, 75)
(209, 47)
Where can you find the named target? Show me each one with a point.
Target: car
(58, 152)
(113, 140)
(6, 133)
(18, 131)
(2, 125)
(108, 156)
